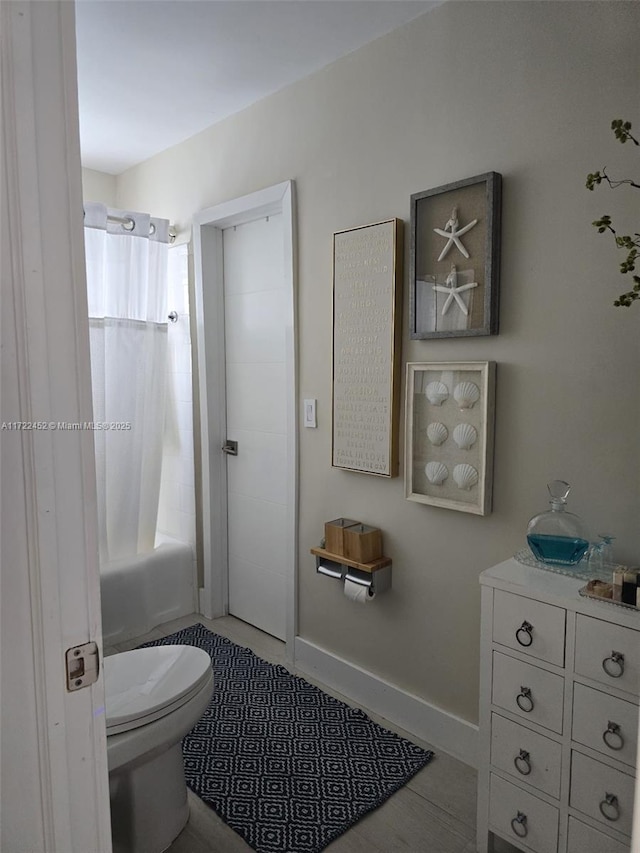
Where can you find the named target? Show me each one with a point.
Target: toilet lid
(141, 684)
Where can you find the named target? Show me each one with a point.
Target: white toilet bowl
(154, 697)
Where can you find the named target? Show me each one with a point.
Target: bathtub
(141, 592)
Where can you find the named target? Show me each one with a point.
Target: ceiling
(152, 73)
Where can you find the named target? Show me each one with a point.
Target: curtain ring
(173, 316)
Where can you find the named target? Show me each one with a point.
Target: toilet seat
(144, 685)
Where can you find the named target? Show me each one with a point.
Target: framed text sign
(367, 278)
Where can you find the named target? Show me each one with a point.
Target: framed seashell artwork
(455, 259)
(449, 422)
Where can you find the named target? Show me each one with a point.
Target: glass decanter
(556, 536)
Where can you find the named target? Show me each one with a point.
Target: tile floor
(433, 813)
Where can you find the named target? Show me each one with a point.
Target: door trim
(58, 796)
(210, 347)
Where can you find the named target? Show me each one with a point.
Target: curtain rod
(128, 223)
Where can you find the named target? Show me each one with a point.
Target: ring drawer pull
(615, 659)
(612, 736)
(519, 825)
(523, 759)
(524, 700)
(524, 634)
(609, 807)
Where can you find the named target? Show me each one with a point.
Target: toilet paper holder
(330, 568)
(376, 575)
(376, 582)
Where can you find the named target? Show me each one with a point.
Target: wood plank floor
(433, 813)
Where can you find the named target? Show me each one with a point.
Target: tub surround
(142, 592)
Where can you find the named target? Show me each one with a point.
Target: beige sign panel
(367, 303)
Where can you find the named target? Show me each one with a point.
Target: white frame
(210, 346)
(57, 796)
(419, 450)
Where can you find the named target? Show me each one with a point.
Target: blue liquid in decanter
(556, 536)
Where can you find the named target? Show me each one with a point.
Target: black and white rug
(285, 765)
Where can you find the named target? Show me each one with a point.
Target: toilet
(154, 697)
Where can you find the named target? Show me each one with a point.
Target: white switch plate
(310, 414)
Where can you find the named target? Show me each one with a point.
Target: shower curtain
(127, 261)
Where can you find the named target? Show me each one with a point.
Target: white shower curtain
(127, 289)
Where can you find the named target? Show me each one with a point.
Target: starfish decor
(453, 233)
(451, 287)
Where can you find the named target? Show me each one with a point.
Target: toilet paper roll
(358, 592)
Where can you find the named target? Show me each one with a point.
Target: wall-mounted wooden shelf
(380, 563)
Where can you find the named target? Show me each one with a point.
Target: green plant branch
(631, 243)
(598, 177)
(621, 130)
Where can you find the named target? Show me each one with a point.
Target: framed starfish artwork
(455, 259)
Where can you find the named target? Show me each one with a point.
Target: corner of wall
(98, 186)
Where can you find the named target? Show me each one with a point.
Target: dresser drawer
(531, 627)
(528, 691)
(593, 783)
(584, 839)
(599, 646)
(605, 723)
(523, 818)
(526, 755)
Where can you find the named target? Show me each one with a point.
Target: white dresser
(559, 685)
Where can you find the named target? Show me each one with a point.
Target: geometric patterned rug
(284, 764)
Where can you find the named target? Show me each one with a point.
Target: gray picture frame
(454, 262)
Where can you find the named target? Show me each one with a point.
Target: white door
(55, 794)
(255, 326)
(244, 271)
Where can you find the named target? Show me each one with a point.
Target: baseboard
(427, 722)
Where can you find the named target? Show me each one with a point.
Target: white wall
(98, 186)
(524, 89)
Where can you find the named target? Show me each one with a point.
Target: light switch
(310, 414)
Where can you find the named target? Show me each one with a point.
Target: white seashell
(437, 433)
(465, 436)
(465, 476)
(466, 394)
(437, 472)
(436, 392)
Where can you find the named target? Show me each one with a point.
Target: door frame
(58, 792)
(208, 226)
